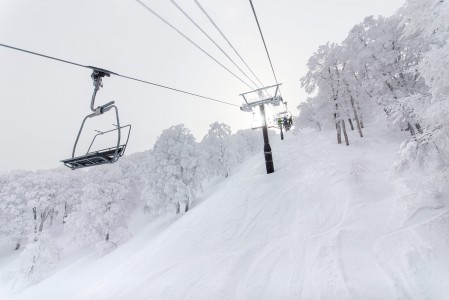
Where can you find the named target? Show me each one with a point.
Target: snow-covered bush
(423, 159)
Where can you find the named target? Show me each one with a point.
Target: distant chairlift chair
(104, 156)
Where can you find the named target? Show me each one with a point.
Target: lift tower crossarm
(274, 100)
(262, 89)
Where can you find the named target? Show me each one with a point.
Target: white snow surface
(333, 222)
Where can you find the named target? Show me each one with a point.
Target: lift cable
(229, 43)
(226, 39)
(212, 40)
(119, 75)
(192, 42)
(266, 49)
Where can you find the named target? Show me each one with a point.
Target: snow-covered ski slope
(332, 222)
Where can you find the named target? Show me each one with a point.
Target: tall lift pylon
(262, 97)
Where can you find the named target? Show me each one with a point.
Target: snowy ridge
(332, 222)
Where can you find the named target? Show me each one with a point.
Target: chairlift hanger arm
(97, 78)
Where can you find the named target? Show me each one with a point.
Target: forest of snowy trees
(93, 207)
(396, 67)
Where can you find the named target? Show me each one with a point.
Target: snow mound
(332, 222)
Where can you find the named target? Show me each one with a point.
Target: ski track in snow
(328, 224)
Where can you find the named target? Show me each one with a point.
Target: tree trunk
(344, 132)
(418, 126)
(64, 217)
(187, 207)
(350, 123)
(338, 128)
(33, 264)
(107, 237)
(178, 208)
(338, 132)
(356, 116)
(412, 130)
(52, 216)
(360, 115)
(17, 246)
(35, 219)
(41, 225)
(35, 223)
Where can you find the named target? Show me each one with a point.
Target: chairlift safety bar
(103, 132)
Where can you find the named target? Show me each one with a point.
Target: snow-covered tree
(325, 74)
(134, 168)
(218, 150)
(376, 63)
(383, 65)
(31, 201)
(175, 171)
(37, 261)
(246, 143)
(100, 219)
(15, 218)
(42, 195)
(68, 186)
(427, 153)
(314, 113)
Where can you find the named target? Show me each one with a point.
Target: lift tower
(259, 98)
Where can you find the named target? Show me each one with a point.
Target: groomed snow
(332, 222)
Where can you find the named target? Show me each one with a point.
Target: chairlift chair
(287, 124)
(108, 155)
(283, 114)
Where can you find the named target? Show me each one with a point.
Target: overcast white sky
(43, 102)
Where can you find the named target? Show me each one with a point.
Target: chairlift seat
(104, 156)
